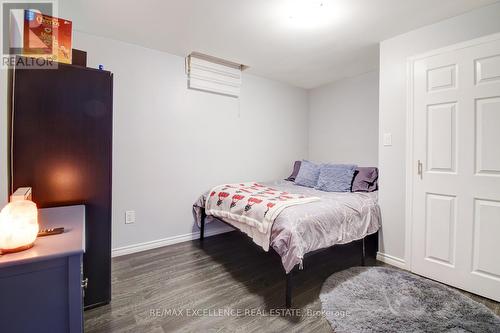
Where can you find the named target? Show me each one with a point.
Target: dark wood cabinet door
(62, 148)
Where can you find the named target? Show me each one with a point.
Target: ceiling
(306, 43)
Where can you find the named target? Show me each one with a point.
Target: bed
(337, 218)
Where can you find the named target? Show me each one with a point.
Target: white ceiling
(306, 43)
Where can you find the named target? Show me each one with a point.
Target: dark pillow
(365, 180)
(296, 168)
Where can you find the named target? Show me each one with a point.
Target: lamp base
(17, 249)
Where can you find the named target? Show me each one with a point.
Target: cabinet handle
(419, 169)
(85, 283)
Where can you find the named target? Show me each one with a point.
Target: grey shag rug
(380, 299)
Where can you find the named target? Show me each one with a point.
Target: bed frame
(288, 276)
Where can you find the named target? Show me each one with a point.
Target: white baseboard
(129, 249)
(391, 260)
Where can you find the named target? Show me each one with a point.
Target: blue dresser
(41, 288)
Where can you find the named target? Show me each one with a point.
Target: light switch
(387, 139)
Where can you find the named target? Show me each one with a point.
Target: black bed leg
(288, 292)
(363, 253)
(202, 224)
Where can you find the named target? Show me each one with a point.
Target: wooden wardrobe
(61, 146)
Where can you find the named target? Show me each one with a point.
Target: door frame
(410, 167)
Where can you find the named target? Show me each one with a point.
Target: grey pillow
(365, 179)
(296, 168)
(336, 177)
(308, 174)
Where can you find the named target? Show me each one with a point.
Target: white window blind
(213, 74)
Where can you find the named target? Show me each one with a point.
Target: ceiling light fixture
(311, 14)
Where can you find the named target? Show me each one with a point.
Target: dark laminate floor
(154, 290)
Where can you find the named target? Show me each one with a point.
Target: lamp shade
(18, 226)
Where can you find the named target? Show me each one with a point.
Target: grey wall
(171, 143)
(343, 121)
(393, 60)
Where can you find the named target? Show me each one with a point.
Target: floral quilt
(253, 204)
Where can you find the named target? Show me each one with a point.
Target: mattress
(338, 218)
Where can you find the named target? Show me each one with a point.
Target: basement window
(215, 75)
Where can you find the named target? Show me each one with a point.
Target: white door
(456, 196)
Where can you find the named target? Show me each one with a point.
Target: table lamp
(18, 226)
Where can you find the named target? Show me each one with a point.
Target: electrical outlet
(129, 216)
